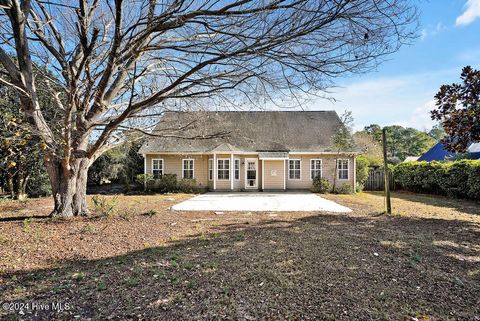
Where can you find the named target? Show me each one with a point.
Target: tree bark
(69, 187)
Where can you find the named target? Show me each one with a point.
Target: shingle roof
(252, 131)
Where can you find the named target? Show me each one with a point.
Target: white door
(251, 176)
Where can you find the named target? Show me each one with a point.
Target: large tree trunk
(69, 187)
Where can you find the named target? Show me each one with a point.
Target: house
(439, 153)
(255, 150)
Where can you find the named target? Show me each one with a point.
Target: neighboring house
(439, 153)
(258, 150)
(411, 159)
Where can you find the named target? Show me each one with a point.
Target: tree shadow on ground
(330, 267)
(465, 206)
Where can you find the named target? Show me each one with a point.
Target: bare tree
(122, 63)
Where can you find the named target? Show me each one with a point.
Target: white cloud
(403, 100)
(431, 31)
(471, 13)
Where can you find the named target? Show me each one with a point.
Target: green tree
(401, 141)
(343, 140)
(458, 109)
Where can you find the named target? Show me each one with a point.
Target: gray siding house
(256, 150)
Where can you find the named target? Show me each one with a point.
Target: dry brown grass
(164, 265)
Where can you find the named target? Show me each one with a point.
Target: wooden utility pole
(388, 204)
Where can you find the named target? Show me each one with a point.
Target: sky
(401, 91)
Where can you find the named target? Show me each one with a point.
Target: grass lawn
(150, 263)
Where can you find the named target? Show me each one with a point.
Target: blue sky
(401, 90)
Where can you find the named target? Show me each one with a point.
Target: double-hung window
(157, 168)
(236, 169)
(187, 168)
(315, 168)
(210, 169)
(294, 169)
(223, 169)
(342, 169)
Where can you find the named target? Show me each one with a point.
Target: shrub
(167, 183)
(145, 180)
(187, 185)
(454, 179)
(104, 206)
(362, 168)
(345, 188)
(321, 185)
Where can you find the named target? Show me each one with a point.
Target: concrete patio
(260, 202)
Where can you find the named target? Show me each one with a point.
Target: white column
(263, 174)
(354, 174)
(145, 171)
(284, 174)
(232, 171)
(214, 171)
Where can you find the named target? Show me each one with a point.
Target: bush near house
(460, 179)
(321, 185)
(167, 183)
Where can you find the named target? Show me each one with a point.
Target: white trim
(324, 153)
(229, 170)
(214, 171)
(193, 167)
(163, 165)
(202, 153)
(272, 158)
(321, 167)
(348, 169)
(232, 172)
(295, 179)
(284, 174)
(239, 166)
(354, 175)
(256, 173)
(263, 174)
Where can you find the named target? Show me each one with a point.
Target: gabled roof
(247, 131)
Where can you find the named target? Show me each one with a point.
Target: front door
(251, 181)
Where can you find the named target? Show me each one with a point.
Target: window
(236, 172)
(223, 169)
(187, 169)
(342, 168)
(315, 168)
(294, 169)
(157, 168)
(210, 169)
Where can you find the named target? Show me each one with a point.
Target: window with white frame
(294, 169)
(223, 169)
(315, 168)
(210, 169)
(236, 168)
(187, 169)
(157, 168)
(342, 168)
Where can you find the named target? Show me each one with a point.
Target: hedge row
(455, 179)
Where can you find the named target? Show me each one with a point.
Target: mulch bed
(162, 265)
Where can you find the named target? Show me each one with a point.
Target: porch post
(263, 174)
(232, 171)
(354, 174)
(214, 171)
(284, 174)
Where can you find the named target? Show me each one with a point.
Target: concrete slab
(260, 202)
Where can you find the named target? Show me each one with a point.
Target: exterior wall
(328, 170)
(173, 165)
(274, 174)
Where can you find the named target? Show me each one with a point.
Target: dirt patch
(165, 265)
